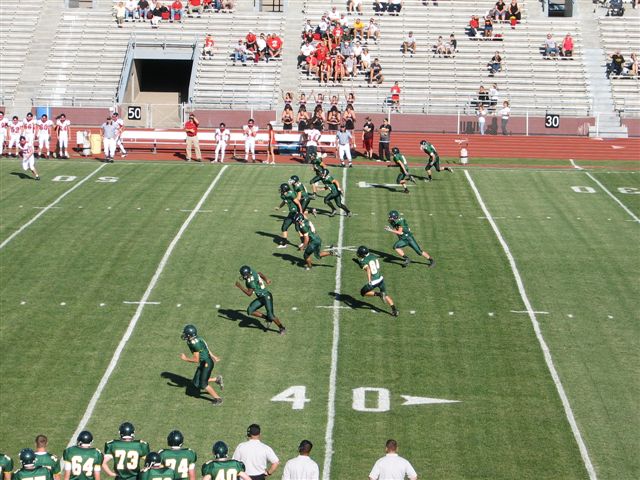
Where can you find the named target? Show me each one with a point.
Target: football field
(515, 357)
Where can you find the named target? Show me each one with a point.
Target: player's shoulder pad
(54, 457)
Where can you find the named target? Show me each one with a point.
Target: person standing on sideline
(63, 126)
(109, 134)
(312, 135)
(222, 466)
(29, 128)
(302, 467)
(392, 466)
(26, 153)
(44, 134)
(222, 138)
(82, 461)
(29, 470)
(4, 123)
(367, 138)
(15, 131)
(119, 123)
(256, 455)
(384, 130)
(482, 119)
(505, 113)
(345, 140)
(250, 130)
(271, 141)
(191, 128)
(205, 360)
(46, 459)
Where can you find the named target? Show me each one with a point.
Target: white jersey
(63, 127)
(3, 127)
(15, 129)
(119, 123)
(44, 128)
(250, 132)
(313, 137)
(29, 127)
(301, 468)
(222, 136)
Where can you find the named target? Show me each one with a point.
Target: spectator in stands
(143, 10)
(325, 70)
(120, 13)
(616, 64)
(379, 6)
(384, 153)
(157, 15)
(275, 46)
(439, 47)
(566, 49)
(375, 73)
(350, 66)
(307, 49)
(505, 113)
(318, 119)
(313, 67)
(195, 5)
(357, 52)
(191, 129)
(395, 96)
(261, 49)
(344, 21)
(354, 6)
(495, 64)
(228, 5)
(338, 68)
(250, 42)
(373, 31)
(333, 119)
(302, 118)
(550, 47)
(493, 97)
(334, 15)
(367, 138)
(240, 53)
(409, 44)
(350, 99)
(474, 26)
(349, 117)
(632, 66)
(483, 96)
(208, 46)
(346, 48)
(482, 118)
(177, 8)
(287, 117)
(514, 12)
(488, 27)
(500, 11)
(358, 28)
(130, 10)
(394, 7)
(365, 60)
(453, 43)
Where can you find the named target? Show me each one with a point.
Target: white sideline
(331, 402)
(134, 320)
(536, 327)
(50, 206)
(631, 214)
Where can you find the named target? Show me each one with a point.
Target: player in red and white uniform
(63, 126)
(250, 131)
(43, 126)
(27, 154)
(222, 138)
(3, 131)
(29, 128)
(120, 124)
(15, 130)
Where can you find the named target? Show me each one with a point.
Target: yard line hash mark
(134, 320)
(49, 207)
(606, 190)
(536, 327)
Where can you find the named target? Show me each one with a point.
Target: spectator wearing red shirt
(250, 41)
(177, 7)
(395, 97)
(191, 129)
(208, 46)
(274, 44)
(195, 5)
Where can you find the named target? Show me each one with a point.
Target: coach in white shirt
(302, 467)
(256, 455)
(392, 466)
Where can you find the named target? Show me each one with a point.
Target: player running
(311, 242)
(43, 126)
(399, 226)
(205, 360)
(222, 466)
(82, 461)
(303, 196)
(28, 158)
(401, 162)
(256, 282)
(434, 159)
(371, 265)
(126, 452)
(318, 165)
(289, 198)
(178, 458)
(335, 193)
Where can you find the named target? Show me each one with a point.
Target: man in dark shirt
(367, 138)
(385, 137)
(617, 62)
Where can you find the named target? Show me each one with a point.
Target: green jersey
(307, 228)
(45, 459)
(162, 473)
(402, 223)
(82, 462)
(128, 454)
(222, 469)
(198, 344)
(257, 284)
(318, 166)
(429, 148)
(401, 162)
(6, 464)
(301, 189)
(179, 459)
(328, 182)
(37, 473)
(289, 198)
(373, 263)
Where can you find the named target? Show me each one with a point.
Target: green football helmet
(127, 429)
(395, 150)
(189, 331)
(362, 251)
(294, 179)
(284, 188)
(175, 438)
(27, 457)
(298, 218)
(245, 271)
(220, 449)
(324, 173)
(394, 215)
(85, 437)
(153, 460)
(424, 143)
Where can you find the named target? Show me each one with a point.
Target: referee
(344, 145)
(256, 455)
(392, 466)
(302, 467)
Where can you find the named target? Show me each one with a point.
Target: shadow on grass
(274, 236)
(175, 380)
(21, 175)
(245, 321)
(355, 303)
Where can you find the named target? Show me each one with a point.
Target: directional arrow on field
(408, 400)
(369, 185)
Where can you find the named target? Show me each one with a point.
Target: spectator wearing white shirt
(373, 31)
(222, 137)
(250, 131)
(302, 467)
(256, 455)
(392, 466)
(131, 10)
(306, 50)
(482, 118)
(505, 113)
(313, 137)
(334, 15)
(493, 97)
(409, 44)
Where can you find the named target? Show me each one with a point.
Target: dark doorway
(165, 76)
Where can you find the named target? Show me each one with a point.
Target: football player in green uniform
(303, 196)
(401, 162)
(82, 461)
(318, 165)
(335, 193)
(371, 265)
(46, 459)
(126, 452)
(29, 470)
(179, 458)
(155, 470)
(6, 467)
(433, 161)
(289, 198)
(205, 360)
(399, 226)
(222, 467)
(256, 282)
(311, 242)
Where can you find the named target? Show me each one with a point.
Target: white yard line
(631, 214)
(331, 402)
(134, 320)
(49, 207)
(536, 327)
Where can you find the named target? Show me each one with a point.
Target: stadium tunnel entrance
(156, 82)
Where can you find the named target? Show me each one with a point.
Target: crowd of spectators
(619, 67)
(156, 11)
(257, 47)
(555, 50)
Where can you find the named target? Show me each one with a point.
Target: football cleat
(406, 262)
(220, 382)
(431, 262)
(282, 331)
(394, 311)
(216, 402)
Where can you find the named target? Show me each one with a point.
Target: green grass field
(128, 233)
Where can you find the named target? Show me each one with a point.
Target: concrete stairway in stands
(289, 80)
